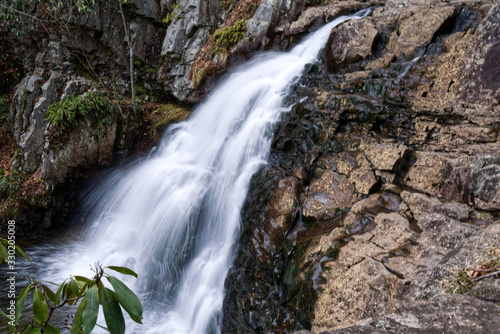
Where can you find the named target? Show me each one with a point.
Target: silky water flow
(175, 218)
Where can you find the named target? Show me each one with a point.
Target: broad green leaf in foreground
(127, 299)
(112, 312)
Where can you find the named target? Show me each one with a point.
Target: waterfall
(175, 218)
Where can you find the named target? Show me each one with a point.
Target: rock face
(398, 161)
(445, 314)
(382, 195)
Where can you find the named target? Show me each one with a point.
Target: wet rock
(346, 163)
(327, 194)
(350, 43)
(268, 239)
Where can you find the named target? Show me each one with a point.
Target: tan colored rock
(364, 290)
(448, 313)
(392, 231)
(420, 204)
(346, 163)
(327, 194)
(350, 43)
(435, 174)
(363, 179)
(388, 157)
(419, 29)
(360, 248)
(317, 15)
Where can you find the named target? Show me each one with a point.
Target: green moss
(229, 36)
(170, 114)
(24, 101)
(10, 184)
(74, 110)
(140, 90)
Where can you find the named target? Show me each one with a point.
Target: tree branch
(486, 276)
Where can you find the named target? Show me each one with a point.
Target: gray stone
(392, 231)
(487, 289)
(444, 314)
(148, 8)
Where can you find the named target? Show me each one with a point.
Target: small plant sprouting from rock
(229, 36)
(465, 279)
(172, 15)
(73, 110)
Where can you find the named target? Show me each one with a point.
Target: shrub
(74, 110)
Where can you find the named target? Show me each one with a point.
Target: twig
(482, 269)
(486, 276)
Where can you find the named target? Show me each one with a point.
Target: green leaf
(51, 330)
(82, 291)
(3, 314)
(91, 310)
(39, 307)
(75, 288)
(49, 293)
(123, 270)
(20, 302)
(112, 312)
(34, 331)
(81, 279)
(58, 293)
(77, 320)
(22, 253)
(26, 330)
(107, 330)
(127, 299)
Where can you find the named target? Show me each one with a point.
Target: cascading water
(175, 218)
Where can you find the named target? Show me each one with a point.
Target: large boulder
(350, 43)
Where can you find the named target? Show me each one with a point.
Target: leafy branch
(88, 294)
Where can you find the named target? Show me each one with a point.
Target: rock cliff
(380, 202)
(379, 208)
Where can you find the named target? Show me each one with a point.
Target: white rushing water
(175, 218)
